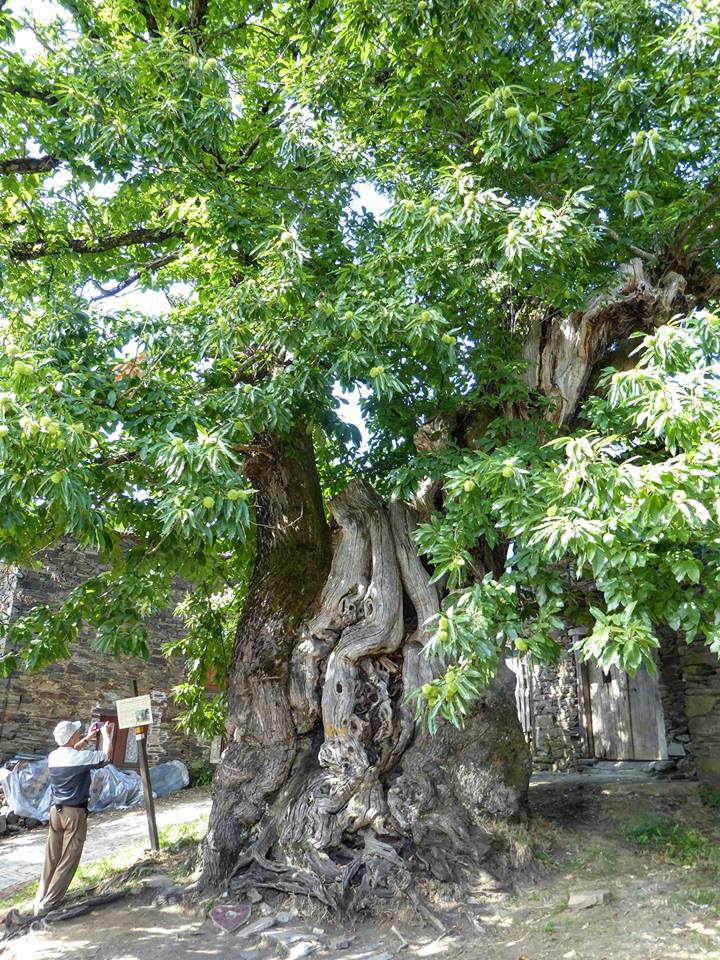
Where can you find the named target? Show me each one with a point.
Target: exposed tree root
(17, 924)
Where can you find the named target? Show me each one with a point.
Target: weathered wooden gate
(523, 695)
(623, 714)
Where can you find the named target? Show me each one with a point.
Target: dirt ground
(583, 842)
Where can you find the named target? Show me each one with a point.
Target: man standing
(69, 768)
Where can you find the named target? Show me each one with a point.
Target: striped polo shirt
(70, 774)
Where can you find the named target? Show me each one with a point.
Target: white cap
(64, 731)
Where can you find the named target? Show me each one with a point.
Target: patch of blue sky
(368, 199)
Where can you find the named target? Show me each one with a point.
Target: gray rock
(661, 766)
(584, 899)
(172, 894)
(255, 929)
(157, 881)
(3, 824)
(13, 918)
(253, 896)
(302, 949)
(285, 916)
(676, 750)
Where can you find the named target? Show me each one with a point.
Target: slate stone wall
(557, 739)
(701, 670)
(672, 684)
(31, 704)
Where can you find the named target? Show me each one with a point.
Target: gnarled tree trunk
(565, 353)
(293, 557)
(328, 788)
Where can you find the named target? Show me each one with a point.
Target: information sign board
(134, 712)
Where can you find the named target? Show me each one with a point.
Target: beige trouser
(68, 829)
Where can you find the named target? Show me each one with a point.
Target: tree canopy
(210, 154)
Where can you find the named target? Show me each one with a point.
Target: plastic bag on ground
(27, 788)
(169, 777)
(113, 789)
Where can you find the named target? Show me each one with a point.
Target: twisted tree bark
(327, 788)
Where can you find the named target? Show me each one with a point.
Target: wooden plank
(646, 715)
(610, 712)
(584, 707)
(623, 727)
(523, 694)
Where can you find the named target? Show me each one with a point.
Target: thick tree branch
(30, 93)
(197, 11)
(134, 277)
(638, 251)
(562, 352)
(28, 165)
(35, 250)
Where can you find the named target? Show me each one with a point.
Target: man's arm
(105, 736)
(104, 732)
(90, 735)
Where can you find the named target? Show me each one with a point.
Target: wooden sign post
(136, 712)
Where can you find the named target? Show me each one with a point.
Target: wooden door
(646, 717)
(123, 751)
(117, 748)
(626, 715)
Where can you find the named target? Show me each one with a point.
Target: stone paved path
(21, 856)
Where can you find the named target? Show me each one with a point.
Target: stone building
(88, 685)
(574, 712)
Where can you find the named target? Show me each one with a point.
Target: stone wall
(31, 704)
(673, 694)
(557, 739)
(689, 686)
(701, 670)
